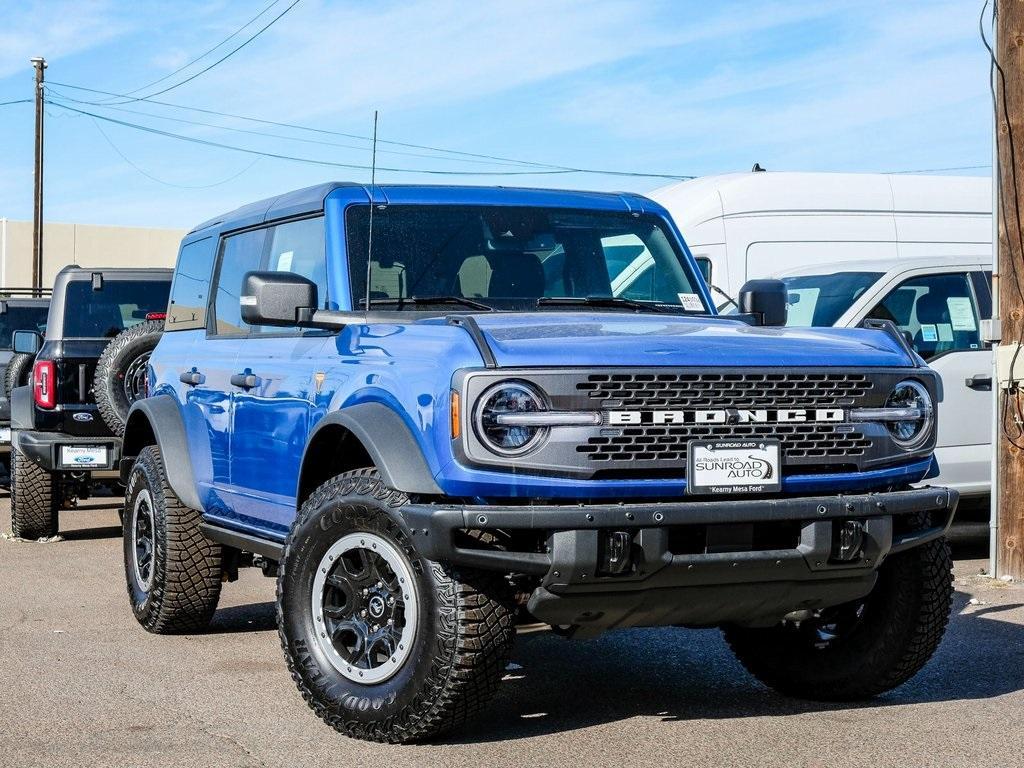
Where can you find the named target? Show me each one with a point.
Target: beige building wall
(87, 245)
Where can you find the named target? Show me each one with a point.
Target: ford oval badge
(82, 416)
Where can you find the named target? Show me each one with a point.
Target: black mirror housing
(278, 298)
(27, 342)
(765, 299)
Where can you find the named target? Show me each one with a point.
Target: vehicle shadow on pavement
(253, 617)
(89, 534)
(557, 686)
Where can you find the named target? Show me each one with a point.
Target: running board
(243, 541)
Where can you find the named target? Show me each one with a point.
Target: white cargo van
(746, 225)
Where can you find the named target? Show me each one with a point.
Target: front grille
(726, 390)
(804, 444)
(815, 442)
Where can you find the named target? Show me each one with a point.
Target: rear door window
(191, 290)
(118, 304)
(938, 312)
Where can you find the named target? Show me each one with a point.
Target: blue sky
(665, 86)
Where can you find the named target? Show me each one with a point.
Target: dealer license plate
(733, 466)
(85, 456)
(5, 435)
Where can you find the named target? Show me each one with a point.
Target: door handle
(981, 382)
(245, 380)
(192, 378)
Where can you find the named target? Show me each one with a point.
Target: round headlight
(911, 432)
(510, 398)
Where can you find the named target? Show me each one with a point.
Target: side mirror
(27, 342)
(765, 299)
(278, 298)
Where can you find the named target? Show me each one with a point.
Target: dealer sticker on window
(733, 466)
(5, 435)
(83, 456)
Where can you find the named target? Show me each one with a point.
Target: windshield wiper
(460, 300)
(603, 301)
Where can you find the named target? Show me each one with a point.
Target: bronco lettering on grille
(727, 416)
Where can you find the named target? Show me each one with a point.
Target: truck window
(119, 304)
(239, 254)
(298, 247)
(21, 319)
(820, 300)
(509, 257)
(191, 289)
(939, 313)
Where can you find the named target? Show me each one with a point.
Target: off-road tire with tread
(187, 566)
(36, 498)
(18, 373)
(108, 381)
(464, 635)
(902, 623)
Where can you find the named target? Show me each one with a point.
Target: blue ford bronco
(437, 413)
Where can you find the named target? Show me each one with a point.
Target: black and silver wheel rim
(365, 607)
(136, 381)
(143, 539)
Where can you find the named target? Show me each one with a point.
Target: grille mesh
(802, 444)
(727, 390)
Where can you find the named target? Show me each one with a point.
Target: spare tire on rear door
(19, 369)
(121, 372)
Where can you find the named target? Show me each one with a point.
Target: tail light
(156, 315)
(44, 383)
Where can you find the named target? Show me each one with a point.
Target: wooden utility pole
(37, 208)
(1009, 131)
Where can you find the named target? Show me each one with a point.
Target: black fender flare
(388, 441)
(158, 420)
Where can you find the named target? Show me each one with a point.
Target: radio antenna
(369, 237)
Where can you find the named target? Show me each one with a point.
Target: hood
(636, 340)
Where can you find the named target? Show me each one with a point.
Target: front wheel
(860, 649)
(383, 644)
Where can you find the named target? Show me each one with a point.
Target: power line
(408, 145)
(307, 160)
(203, 55)
(942, 170)
(268, 134)
(222, 59)
(16, 101)
(148, 175)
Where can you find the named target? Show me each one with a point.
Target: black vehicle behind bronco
(20, 309)
(60, 441)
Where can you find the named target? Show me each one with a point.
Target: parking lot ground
(81, 684)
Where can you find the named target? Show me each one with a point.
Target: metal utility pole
(37, 213)
(1009, 136)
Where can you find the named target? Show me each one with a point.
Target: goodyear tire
(35, 498)
(871, 646)
(18, 372)
(383, 644)
(120, 377)
(172, 570)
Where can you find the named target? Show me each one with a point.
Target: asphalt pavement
(81, 684)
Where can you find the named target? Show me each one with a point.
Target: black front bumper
(667, 587)
(44, 449)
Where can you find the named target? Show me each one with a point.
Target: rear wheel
(383, 644)
(35, 498)
(860, 649)
(18, 372)
(121, 373)
(172, 570)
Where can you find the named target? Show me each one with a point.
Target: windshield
(119, 304)
(508, 258)
(21, 319)
(820, 300)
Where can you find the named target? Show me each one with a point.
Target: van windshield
(510, 258)
(119, 304)
(21, 319)
(820, 300)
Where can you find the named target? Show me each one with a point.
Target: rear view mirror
(27, 342)
(278, 298)
(765, 299)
